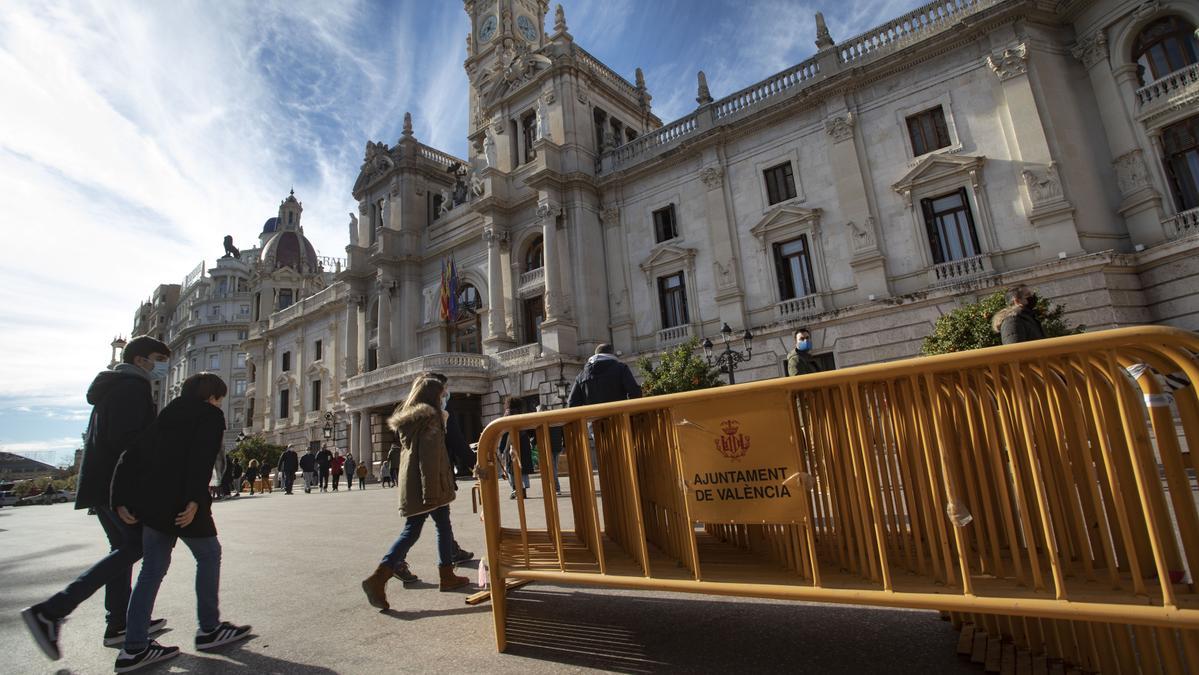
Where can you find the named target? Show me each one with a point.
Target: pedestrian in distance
(122, 410)
(288, 463)
(336, 467)
(351, 468)
(361, 472)
(515, 406)
(426, 490)
(1018, 322)
(800, 361)
(251, 474)
(324, 461)
(308, 467)
(393, 459)
(385, 479)
(557, 445)
(161, 483)
(237, 476)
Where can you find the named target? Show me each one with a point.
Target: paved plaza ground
(292, 567)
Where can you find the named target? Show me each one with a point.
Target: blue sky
(135, 135)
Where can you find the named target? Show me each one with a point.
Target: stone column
(497, 328)
(407, 319)
(352, 340)
(364, 440)
(619, 308)
(384, 350)
(355, 441)
(547, 216)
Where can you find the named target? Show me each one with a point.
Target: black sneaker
(404, 574)
(153, 653)
(114, 636)
(460, 556)
(44, 630)
(222, 635)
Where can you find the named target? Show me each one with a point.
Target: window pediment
(937, 167)
(284, 380)
(669, 257)
(785, 219)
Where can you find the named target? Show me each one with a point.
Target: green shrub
(256, 447)
(680, 369)
(969, 327)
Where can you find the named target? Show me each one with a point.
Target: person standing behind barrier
(800, 361)
(515, 406)
(288, 463)
(557, 445)
(324, 461)
(427, 490)
(604, 379)
(122, 409)
(350, 466)
(1018, 322)
(308, 467)
(336, 466)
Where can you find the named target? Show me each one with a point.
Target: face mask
(804, 345)
(445, 401)
(160, 370)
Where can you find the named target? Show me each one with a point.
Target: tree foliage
(36, 486)
(680, 369)
(256, 447)
(969, 327)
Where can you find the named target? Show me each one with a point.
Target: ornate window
(284, 402)
(314, 402)
(465, 332)
(951, 233)
(528, 129)
(665, 226)
(318, 350)
(928, 131)
(1180, 145)
(285, 299)
(672, 300)
(534, 258)
(286, 359)
(1164, 46)
(534, 315)
(780, 183)
(793, 263)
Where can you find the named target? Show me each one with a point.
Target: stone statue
(489, 155)
(477, 187)
(446, 203)
(459, 172)
(231, 250)
(543, 120)
(353, 229)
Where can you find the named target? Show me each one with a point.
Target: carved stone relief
(1131, 173)
(712, 176)
(840, 127)
(1044, 184)
(1091, 49)
(1009, 63)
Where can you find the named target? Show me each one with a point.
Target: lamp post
(562, 385)
(328, 428)
(728, 359)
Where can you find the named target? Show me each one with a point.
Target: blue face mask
(160, 370)
(804, 345)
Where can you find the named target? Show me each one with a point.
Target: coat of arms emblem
(731, 444)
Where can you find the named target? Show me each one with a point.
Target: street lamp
(328, 429)
(728, 359)
(563, 386)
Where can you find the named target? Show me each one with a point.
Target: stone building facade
(964, 147)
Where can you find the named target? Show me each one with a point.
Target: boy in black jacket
(163, 483)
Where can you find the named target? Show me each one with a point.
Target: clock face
(487, 28)
(526, 27)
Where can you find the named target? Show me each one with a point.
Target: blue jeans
(113, 571)
(158, 547)
(411, 532)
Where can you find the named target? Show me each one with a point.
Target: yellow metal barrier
(1038, 493)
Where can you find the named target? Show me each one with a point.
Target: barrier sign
(740, 467)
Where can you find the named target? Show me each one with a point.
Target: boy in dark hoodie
(163, 482)
(122, 409)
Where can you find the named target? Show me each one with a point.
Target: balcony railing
(959, 270)
(448, 362)
(603, 72)
(1183, 225)
(531, 281)
(912, 27)
(1179, 82)
(674, 335)
(519, 355)
(754, 94)
(799, 308)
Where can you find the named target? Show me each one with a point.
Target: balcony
(450, 363)
(1182, 225)
(1169, 93)
(674, 335)
(799, 308)
(531, 283)
(956, 271)
(519, 356)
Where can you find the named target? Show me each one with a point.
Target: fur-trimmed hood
(413, 418)
(1003, 315)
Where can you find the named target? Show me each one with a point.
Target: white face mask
(445, 400)
(160, 370)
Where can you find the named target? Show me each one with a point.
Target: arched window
(533, 256)
(465, 333)
(1164, 46)
(1180, 144)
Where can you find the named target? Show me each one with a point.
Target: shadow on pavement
(235, 659)
(415, 614)
(625, 633)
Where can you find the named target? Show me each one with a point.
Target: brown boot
(449, 580)
(375, 587)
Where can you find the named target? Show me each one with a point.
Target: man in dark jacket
(603, 379)
(308, 466)
(122, 410)
(324, 460)
(800, 361)
(1018, 322)
(288, 463)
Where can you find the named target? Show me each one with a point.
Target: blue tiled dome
(271, 225)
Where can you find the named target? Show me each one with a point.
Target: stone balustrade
(448, 362)
(604, 73)
(755, 94)
(1164, 89)
(518, 356)
(674, 335)
(309, 304)
(955, 271)
(912, 27)
(799, 308)
(435, 155)
(1182, 225)
(531, 281)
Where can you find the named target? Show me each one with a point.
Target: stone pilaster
(868, 262)
(497, 328)
(384, 347)
(729, 295)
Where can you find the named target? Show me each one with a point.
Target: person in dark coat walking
(122, 409)
(604, 379)
(252, 474)
(515, 406)
(351, 468)
(163, 483)
(800, 361)
(1018, 322)
(393, 463)
(324, 461)
(288, 463)
(308, 467)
